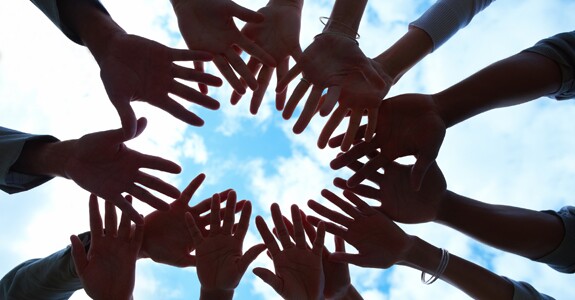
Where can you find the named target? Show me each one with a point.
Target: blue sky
(518, 156)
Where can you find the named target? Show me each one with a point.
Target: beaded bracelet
(440, 269)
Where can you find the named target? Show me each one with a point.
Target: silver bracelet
(326, 21)
(440, 269)
(341, 34)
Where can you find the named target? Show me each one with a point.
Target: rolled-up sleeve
(562, 259)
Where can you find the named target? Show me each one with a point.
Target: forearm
(531, 234)
(405, 53)
(346, 16)
(511, 81)
(296, 3)
(44, 158)
(460, 273)
(216, 294)
(94, 26)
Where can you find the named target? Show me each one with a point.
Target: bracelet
(326, 21)
(341, 34)
(440, 269)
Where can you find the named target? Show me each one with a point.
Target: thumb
(419, 170)
(269, 277)
(78, 254)
(244, 14)
(128, 119)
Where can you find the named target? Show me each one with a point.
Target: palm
(301, 282)
(222, 253)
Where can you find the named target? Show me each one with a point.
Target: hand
(208, 25)
(108, 270)
(298, 269)
(220, 263)
(379, 241)
(356, 96)
(326, 62)
(135, 68)
(278, 35)
(102, 164)
(409, 125)
(398, 200)
(166, 237)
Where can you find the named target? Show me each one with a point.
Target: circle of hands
(343, 82)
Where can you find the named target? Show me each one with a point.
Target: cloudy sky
(518, 156)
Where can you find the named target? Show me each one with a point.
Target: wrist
(294, 3)
(220, 294)
(422, 256)
(445, 208)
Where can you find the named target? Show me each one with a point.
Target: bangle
(327, 21)
(440, 269)
(341, 34)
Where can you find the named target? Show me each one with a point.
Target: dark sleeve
(561, 49)
(51, 278)
(50, 9)
(524, 291)
(562, 259)
(11, 144)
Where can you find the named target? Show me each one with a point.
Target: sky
(516, 156)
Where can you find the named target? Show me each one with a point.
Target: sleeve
(444, 18)
(562, 259)
(561, 49)
(50, 9)
(11, 144)
(524, 291)
(51, 278)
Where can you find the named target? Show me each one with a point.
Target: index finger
(95, 218)
(267, 236)
(192, 187)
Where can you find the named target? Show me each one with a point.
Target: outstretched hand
(166, 237)
(208, 25)
(278, 35)
(298, 269)
(409, 125)
(102, 164)
(379, 241)
(327, 62)
(137, 69)
(398, 200)
(220, 263)
(108, 270)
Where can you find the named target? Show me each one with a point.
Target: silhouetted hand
(166, 237)
(409, 125)
(208, 25)
(327, 62)
(108, 270)
(137, 69)
(379, 241)
(278, 35)
(398, 200)
(220, 262)
(102, 164)
(298, 269)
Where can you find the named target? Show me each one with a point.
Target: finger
(319, 239)
(283, 234)
(254, 50)
(371, 124)
(330, 100)
(242, 69)
(294, 99)
(329, 214)
(244, 14)
(352, 155)
(189, 55)
(126, 208)
(253, 65)
(125, 224)
(230, 213)
(281, 71)
(270, 278)
(343, 205)
(337, 140)
(188, 93)
(78, 255)
(360, 204)
(310, 231)
(352, 128)
(178, 111)
(194, 75)
(339, 243)
(224, 67)
(289, 76)
(355, 259)
(156, 163)
(299, 235)
(157, 184)
(244, 222)
(215, 216)
(146, 197)
(264, 78)
(250, 256)
(110, 219)
(372, 75)
(192, 187)
(193, 229)
(361, 189)
(267, 236)
(419, 170)
(199, 66)
(329, 226)
(309, 110)
(204, 205)
(138, 237)
(368, 169)
(332, 123)
(95, 218)
(127, 117)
